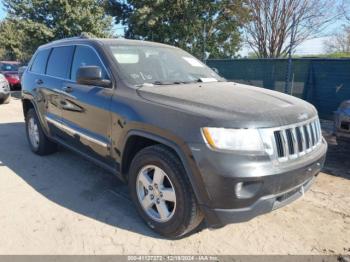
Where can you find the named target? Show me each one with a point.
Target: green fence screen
(323, 82)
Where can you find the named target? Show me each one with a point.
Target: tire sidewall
(31, 114)
(181, 214)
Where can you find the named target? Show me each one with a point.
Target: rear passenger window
(60, 62)
(40, 60)
(86, 56)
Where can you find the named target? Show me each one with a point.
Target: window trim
(48, 59)
(74, 45)
(97, 55)
(34, 59)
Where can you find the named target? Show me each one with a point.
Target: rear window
(60, 62)
(40, 60)
(9, 67)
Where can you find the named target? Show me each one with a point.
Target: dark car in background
(342, 121)
(190, 144)
(10, 70)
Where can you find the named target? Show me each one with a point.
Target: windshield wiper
(177, 82)
(168, 83)
(159, 83)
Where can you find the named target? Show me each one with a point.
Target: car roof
(102, 41)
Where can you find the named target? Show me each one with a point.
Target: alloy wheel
(156, 193)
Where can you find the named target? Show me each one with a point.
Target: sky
(2, 12)
(310, 47)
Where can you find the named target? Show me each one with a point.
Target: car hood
(233, 104)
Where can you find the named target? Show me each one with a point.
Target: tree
(339, 43)
(20, 38)
(35, 22)
(270, 29)
(200, 27)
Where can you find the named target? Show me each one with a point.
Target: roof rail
(83, 35)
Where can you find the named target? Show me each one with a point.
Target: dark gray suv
(190, 145)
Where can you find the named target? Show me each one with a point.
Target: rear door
(44, 88)
(57, 74)
(86, 108)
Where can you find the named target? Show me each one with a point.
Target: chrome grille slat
(319, 131)
(285, 143)
(308, 136)
(299, 139)
(314, 130)
(290, 141)
(294, 141)
(303, 138)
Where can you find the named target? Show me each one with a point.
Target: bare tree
(339, 43)
(345, 10)
(270, 29)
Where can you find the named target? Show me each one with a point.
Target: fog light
(244, 190)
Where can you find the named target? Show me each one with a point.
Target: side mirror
(91, 75)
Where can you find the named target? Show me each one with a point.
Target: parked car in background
(190, 144)
(342, 121)
(10, 70)
(4, 90)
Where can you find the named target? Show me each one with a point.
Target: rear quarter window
(60, 62)
(40, 60)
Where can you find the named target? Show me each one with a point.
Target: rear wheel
(162, 193)
(38, 141)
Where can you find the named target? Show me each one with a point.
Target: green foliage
(31, 23)
(331, 55)
(197, 26)
(20, 38)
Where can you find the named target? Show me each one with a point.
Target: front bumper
(277, 185)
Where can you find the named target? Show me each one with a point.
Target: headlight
(234, 139)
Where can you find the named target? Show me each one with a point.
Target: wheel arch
(28, 104)
(183, 153)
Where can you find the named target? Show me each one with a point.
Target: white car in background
(4, 90)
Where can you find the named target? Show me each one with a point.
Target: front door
(86, 109)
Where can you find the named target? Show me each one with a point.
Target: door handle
(39, 81)
(67, 89)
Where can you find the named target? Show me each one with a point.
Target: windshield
(9, 67)
(160, 65)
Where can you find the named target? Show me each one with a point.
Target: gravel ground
(62, 204)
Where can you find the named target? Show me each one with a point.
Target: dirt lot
(62, 204)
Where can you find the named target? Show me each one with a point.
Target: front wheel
(162, 193)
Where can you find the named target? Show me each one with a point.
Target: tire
(184, 213)
(5, 100)
(42, 145)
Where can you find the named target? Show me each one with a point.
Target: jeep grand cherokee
(190, 145)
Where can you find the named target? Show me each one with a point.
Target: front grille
(297, 140)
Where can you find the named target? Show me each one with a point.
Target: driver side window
(86, 56)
